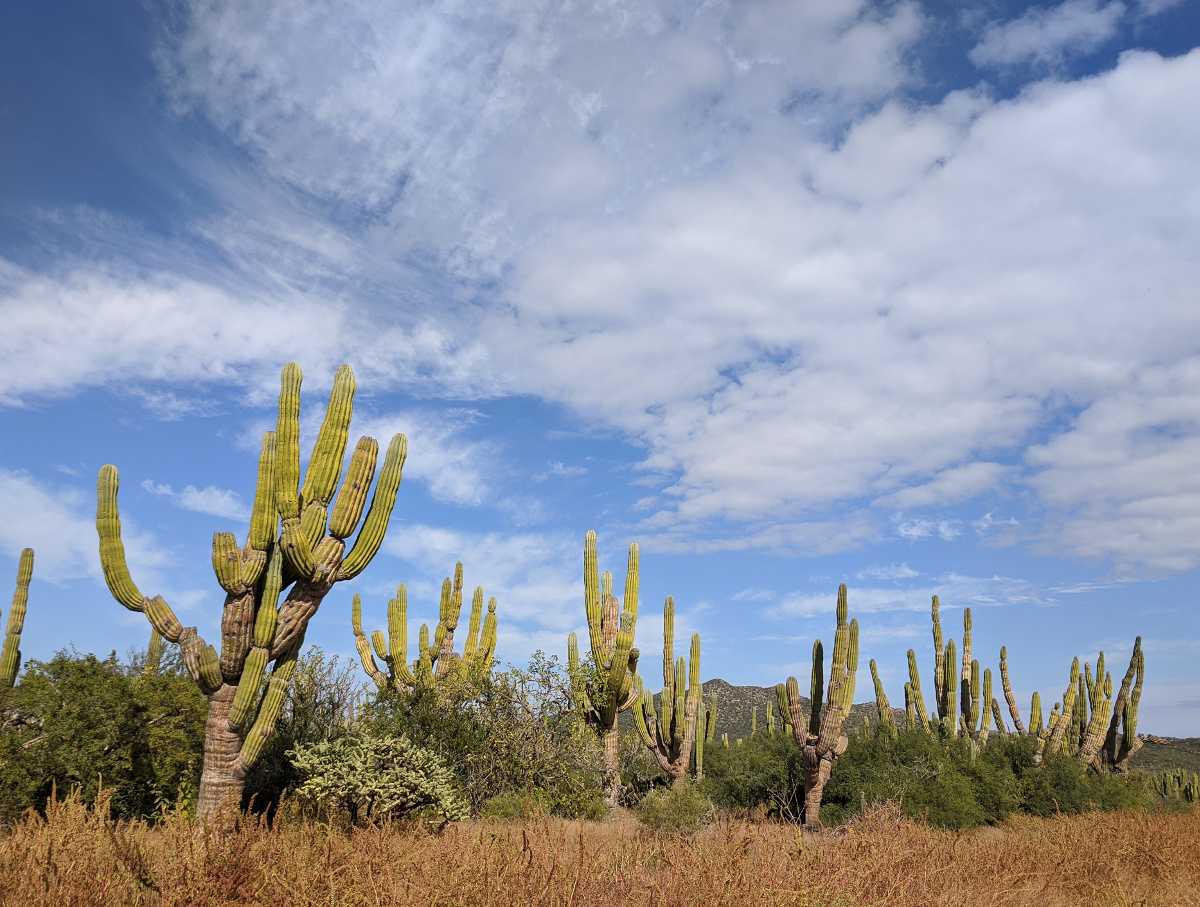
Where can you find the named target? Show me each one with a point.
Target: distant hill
(1176, 752)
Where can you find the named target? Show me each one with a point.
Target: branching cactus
(295, 541)
(671, 734)
(608, 688)
(820, 738)
(10, 655)
(436, 662)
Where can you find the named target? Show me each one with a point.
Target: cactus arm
(248, 688)
(950, 713)
(920, 714)
(1059, 729)
(270, 708)
(593, 603)
(10, 656)
(264, 515)
(816, 690)
(1008, 693)
(998, 717)
(886, 719)
(154, 653)
(939, 655)
(579, 696)
(471, 646)
(352, 497)
(968, 693)
(370, 537)
(112, 549)
(669, 642)
(645, 722)
(632, 584)
(710, 723)
(297, 548)
(325, 465)
(363, 647)
(1111, 741)
(397, 618)
(488, 642)
(1035, 713)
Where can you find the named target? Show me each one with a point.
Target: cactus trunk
(222, 778)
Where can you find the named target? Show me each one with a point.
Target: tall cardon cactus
(820, 738)
(10, 655)
(605, 688)
(297, 543)
(437, 662)
(671, 733)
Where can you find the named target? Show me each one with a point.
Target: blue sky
(902, 295)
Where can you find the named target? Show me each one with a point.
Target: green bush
(766, 770)
(78, 720)
(508, 734)
(680, 808)
(375, 778)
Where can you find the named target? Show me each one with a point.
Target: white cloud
(103, 326)
(1047, 35)
(556, 468)
(784, 350)
(916, 529)
(891, 571)
(465, 127)
(221, 502)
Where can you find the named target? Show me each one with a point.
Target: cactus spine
(608, 688)
(821, 741)
(435, 662)
(293, 542)
(10, 655)
(671, 734)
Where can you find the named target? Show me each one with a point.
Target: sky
(898, 294)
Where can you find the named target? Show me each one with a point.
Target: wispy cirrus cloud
(1047, 35)
(214, 501)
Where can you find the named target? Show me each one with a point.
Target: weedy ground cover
(76, 856)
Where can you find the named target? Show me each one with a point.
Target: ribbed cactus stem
(1035, 714)
(10, 655)
(939, 655)
(917, 700)
(1008, 692)
(886, 720)
(949, 676)
(154, 653)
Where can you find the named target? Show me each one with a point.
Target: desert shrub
(322, 704)
(80, 721)
(766, 770)
(374, 778)
(682, 808)
(512, 733)
(1066, 785)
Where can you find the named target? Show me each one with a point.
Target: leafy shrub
(680, 808)
(378, 778)
(78, 720)
(766, 770)
(511, 733)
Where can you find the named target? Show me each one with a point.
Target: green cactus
(887, 721)
(824, 741)
(154, 653)
(671, 734)
(913, 693)
(706, 726)
(435, 663)
(293, 542)
(770, 720)
(1121, 741)
(10, 655)
(1008, 694)
(608, 688)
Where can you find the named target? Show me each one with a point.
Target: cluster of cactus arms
(297, 539)
(1086, 723)
(608, 687)
(671, 734)
(435, 662)
(820, 738)
(1177, 785)
(963, 696)
(887, 721)
(10, 655)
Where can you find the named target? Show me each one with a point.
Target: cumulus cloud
(1048, 35)
(212, 500)
(786, 342)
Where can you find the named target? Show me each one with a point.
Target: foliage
(513, 733)
(321, 706)
(765, 770)
(80, 720)
(679, 807)
(374, 778)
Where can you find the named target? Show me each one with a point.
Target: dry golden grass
(76, 858)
